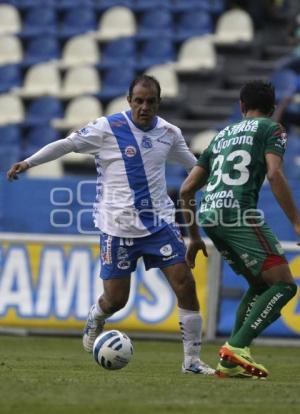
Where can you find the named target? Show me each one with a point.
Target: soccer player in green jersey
(233, 168)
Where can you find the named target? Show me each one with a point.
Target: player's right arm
(87, 140)
(281, 189)
(48, 153)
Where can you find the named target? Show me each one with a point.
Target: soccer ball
(113, 350)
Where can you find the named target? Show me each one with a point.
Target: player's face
(144, 104)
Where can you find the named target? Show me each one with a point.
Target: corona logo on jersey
(53, 286)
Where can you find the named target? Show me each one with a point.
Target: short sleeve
(89, 139)
(276, 140)
(203, 160)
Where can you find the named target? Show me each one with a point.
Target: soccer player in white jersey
(133, 210)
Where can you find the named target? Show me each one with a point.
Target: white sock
(190, 323)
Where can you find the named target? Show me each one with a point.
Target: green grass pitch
(41, 375)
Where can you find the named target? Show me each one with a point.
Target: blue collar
(153, 124)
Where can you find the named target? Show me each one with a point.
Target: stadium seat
(27, 4)
(10, 135)
(156, 51)
(10, 77)
(115, 82)
(212, 6)
(79, 111)
(234, 26)
(52, 169)
(76, 21)
(285, 82)
(37, 137)
(193, 23)
(42, 110)
(102, 5)
(146, 5)
(116, 22)
(41, 49)
(197, 53)
(119, 52)
(80, 50)
(201, 140)
(167, 78)
(70, 4)
(80, 80)
(10, 146)
(39, 21)
(40, 79)
(155, 22)
(117, 105)
(10, 19)
(11, 109)
(11, 50)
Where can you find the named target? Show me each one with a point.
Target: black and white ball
(113, 350)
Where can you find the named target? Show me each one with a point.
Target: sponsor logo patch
(123, 264)
(166, 250)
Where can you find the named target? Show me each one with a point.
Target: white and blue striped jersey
(132, 199)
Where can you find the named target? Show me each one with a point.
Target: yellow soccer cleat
(242, 357)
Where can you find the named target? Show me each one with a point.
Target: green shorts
(245, 248)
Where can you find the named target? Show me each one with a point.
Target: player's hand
(193, 248)
(15, 169)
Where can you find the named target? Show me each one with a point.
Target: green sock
(246, 305)
(264, 312)
(242, 313)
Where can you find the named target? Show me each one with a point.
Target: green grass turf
(54, 375)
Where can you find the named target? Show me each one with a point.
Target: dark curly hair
(258, 95)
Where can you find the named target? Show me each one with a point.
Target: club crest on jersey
(130, 151)
(147, 142)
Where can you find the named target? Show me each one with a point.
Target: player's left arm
(195, 180)
(281, 189)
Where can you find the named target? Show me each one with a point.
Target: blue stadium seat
(38, 21)
(285, 82)
(70, 4)
(156, 51)
(193, 23)
(10, 77)
(119, 52)
(77, 21)
(10, 146)
(41, 49)
(27, 4)
(156, 22)
(38, 136)
(212, 6)
(102, 5)
(42, 110)
(115, 82)
(145, 5)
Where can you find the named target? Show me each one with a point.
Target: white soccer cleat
(198, 367)
(92, 329)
